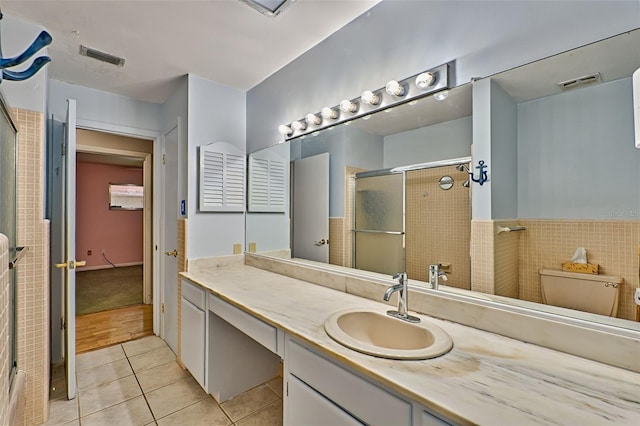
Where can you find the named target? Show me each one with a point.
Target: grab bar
(510, 229)
(20, 252)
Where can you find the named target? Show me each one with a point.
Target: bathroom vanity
(254, 318)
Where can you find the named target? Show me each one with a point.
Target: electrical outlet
(89, 252)
(636, 296)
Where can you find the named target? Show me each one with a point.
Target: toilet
(598, 294)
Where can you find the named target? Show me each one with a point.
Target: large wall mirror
(558, 136)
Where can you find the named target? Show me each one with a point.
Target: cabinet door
(193, 340)
(310, 408)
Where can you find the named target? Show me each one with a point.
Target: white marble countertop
(485, 379)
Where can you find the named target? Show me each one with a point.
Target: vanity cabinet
(319, 383)
(193, 330)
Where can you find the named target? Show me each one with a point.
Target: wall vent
(580, 81)
(101, 56)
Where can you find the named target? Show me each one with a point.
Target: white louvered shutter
(222, 178)
(267, 183)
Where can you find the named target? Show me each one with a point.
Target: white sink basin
(383, 336)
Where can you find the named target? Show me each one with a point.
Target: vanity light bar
(394, 93)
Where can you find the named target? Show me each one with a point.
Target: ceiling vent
(101, 56)
(580, 81)
(269, 7)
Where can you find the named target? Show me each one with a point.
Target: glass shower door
(379, 234)
(8, 166)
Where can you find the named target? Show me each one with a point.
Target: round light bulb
(394, 88)
(425, 80)
(313, 119)
(298, 125)
(329, 113)
(284, 130)
(441, 96)
(348, 106)
(368, 97)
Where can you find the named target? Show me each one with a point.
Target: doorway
(114, 289)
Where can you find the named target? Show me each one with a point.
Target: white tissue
(580, 255)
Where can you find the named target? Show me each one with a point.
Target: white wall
(401, 38)
(216, 114)
(30, 94)
(576, 155)
(481, 148)
(442, 141)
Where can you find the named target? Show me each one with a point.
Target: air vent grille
(580, 81)
(101, 56)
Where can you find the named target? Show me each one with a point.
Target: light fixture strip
(412, 92)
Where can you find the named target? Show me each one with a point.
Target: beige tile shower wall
(5, 350)
(336, 241)
(505, 251)
(349, 219)
(182, 267)
(482, 256)
(611, 244)
(33, 271)
(438, 225)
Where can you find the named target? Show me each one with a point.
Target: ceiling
(221, 40)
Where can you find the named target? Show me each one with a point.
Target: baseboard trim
(118, 265)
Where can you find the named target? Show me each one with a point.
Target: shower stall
(409, 217)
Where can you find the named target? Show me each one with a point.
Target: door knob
(173, 253)
(322, 242)
(72, 264)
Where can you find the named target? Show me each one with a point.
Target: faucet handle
(400, 275)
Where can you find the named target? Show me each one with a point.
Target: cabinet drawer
(310, 408)
(364, 400)
(258, 330)
(193, 294)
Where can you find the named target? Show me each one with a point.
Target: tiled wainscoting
(546, 244)
(33, 271)
(5, 349)
(140, 383)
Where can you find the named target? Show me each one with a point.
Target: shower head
(462, 168)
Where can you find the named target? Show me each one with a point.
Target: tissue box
(583, 268)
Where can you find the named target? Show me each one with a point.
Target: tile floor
(140, 383)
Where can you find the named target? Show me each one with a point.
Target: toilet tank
(584, 292)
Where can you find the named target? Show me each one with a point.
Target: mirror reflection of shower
(437, 220)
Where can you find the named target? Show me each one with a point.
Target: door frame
(150, 253)
(160, 199)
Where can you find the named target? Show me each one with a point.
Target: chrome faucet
(403, 298)
(434, 275)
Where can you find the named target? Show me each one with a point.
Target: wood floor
(108, 328)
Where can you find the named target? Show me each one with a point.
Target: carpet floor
(105, 289)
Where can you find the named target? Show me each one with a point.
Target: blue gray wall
(397, 39)
(576, 155)
(216, 114)
(451, 139)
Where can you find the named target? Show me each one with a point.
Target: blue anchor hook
(482, 177)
